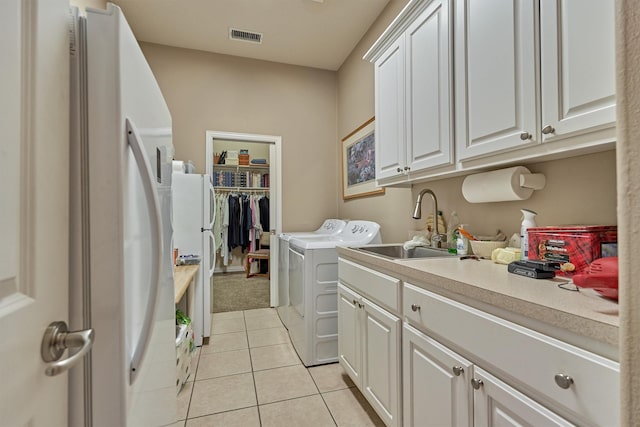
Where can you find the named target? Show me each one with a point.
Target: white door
(429, 88)
(497, 404)
(34, 205)
(578, 66)
(381, 362)
(349, 345)
(390, 119)
(435, 382)
(495, 59)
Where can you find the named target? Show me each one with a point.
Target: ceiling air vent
(246, 36)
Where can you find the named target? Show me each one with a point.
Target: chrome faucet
(437, 238)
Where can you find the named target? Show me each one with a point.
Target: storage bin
(578, 245)
(184, 332)
(232, 158)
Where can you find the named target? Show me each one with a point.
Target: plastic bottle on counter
(462, 243)
(452, 232)
(528, 221)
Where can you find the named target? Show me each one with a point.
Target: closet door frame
(275, 191)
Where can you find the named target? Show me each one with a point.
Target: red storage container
(578, 244)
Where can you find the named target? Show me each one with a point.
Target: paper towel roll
(516, 183)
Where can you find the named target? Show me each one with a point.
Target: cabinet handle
(458, 370)
(415, 307)
(399, 170)
(407, 168)
(476, 383)
(525, 135)
(563, 381)
(548, 129)
(355, 303)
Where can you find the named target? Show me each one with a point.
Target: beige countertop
(182, 277)
(538, 304)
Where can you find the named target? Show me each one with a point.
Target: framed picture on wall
(359, 162)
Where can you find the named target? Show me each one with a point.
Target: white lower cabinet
(369, 351)
(550, 381)
(436, 387)
(450, 364)
(349, 325)
(442, 388)
(497, 404)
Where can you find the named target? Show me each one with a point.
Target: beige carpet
(233, 292)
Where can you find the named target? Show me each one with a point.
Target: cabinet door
(381, 362)
(390, 115)
(497, 404)
(435, 382)
(429, 88)
(578, 66)
(349, 342)
(495, 76)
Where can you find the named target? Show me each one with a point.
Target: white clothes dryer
(328, 227)
(313, 290)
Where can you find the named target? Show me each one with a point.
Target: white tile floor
(250, 375)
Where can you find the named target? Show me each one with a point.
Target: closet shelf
(240, 167)
(241, 189)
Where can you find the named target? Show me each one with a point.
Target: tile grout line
(322, 397)
(257, 405)
(253, 377)
(193, 386)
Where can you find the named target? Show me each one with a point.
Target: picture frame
(358, 162)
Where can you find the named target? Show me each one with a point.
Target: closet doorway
(249, 179)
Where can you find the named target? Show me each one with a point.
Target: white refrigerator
(193, 218)
(122, 140)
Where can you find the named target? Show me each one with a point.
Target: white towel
(419, 240)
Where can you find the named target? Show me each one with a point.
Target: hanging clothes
(245, 222)
(264, 213)
(240, 222)
(234, 238)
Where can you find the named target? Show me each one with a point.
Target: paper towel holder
(534, 181)
(514, 183)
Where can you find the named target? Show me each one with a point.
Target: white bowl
(484, 248)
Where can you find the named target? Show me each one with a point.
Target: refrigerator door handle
(212, 204)
(212, 252)
(153, 204)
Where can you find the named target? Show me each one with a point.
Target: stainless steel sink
(399, 252)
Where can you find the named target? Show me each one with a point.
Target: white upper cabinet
(495, 76)
(413, 86)
(578, 66)
(390, 115)
(429, 89)
(467, 84)
(513, 92)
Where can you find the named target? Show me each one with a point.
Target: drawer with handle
(582, 384)
(381, 288)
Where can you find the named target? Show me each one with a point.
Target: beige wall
(355, 106)
(208, 91)
(579, 190)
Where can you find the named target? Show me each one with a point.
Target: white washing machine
(313, 290)
(328, 227)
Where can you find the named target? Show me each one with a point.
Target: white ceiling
(311, 33)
